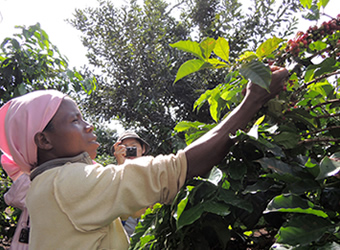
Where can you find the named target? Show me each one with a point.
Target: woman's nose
(89, 127)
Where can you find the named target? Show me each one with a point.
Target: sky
(52, 15)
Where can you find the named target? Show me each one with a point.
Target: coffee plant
(9, 215)
(279, 186)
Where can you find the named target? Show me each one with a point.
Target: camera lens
(131, 151)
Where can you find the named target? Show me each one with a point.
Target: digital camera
(131, 151)
(24, 235)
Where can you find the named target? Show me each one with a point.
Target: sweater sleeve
(92, 196)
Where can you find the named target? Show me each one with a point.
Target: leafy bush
(9, 216)
(279, 185)
(29, 61)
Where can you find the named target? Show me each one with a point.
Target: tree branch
(173, 7)
(325, 103)
(321, 130)
(324, 139)
(327, 116)
(317, 80)
(318, 53)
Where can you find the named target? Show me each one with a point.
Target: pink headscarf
(20, 119)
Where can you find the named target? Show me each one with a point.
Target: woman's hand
(279, 77)
(120, 152)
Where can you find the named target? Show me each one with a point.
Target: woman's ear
(143, 149)
(42, 141)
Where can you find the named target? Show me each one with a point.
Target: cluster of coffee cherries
(302, 40)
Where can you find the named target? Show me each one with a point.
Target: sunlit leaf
(260, 120)
(217, 63)
(268, 47)
(202, 99)
(182, 204)
(329, 166)
(318, 45)
(189, 46)
(185, 125)
(306, 3)
(145, 239)
(215, 176)
(213, 109)
(230, 93)
(322, 3)
(293, 204)
(222, 49)
(253, 132)
(189, 216)
(188, 68)
(207, 45)
(214, 102)
(247, 56)
(309, 74)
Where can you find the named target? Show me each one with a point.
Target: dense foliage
(278, 188)
(8, 215)
(130, 49)
(29, 61)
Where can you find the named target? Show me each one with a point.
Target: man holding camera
(130, 146)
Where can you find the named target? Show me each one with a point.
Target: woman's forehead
(68, 107)
(68, 103)
(130, 141)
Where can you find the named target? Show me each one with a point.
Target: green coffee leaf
(207, 45)
(222, 49)
(293, 204)
(306, 3)
(329, 166)
(189, 46)
(266, 48)
(303, 230)
(188, 68)
(257, 72)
